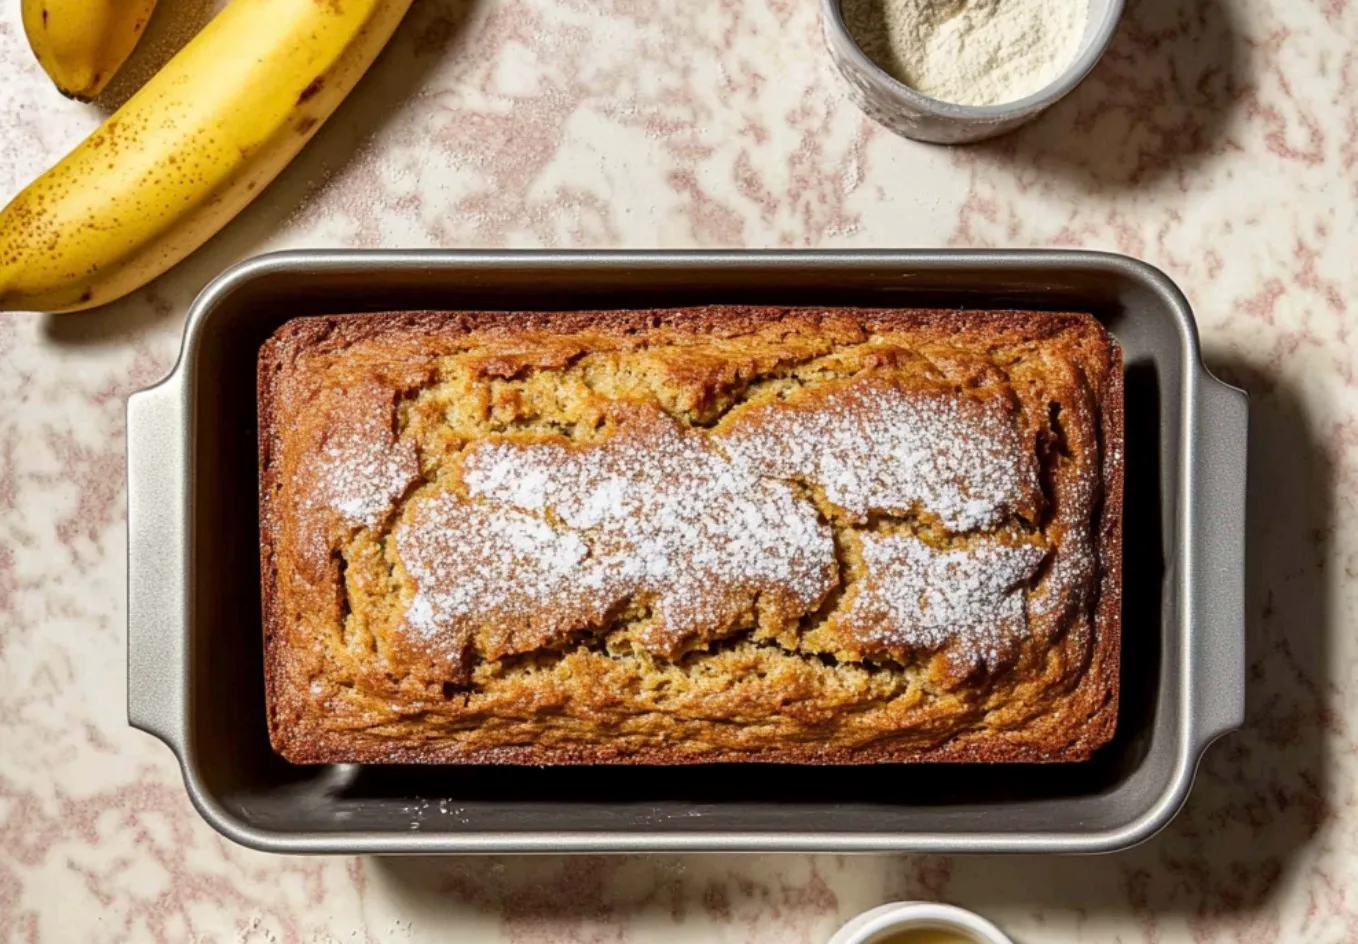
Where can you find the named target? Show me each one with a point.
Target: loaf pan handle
(157, 562)
(1217, 576)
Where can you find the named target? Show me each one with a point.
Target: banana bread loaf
(693, 535)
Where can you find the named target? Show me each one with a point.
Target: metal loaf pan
(194, 641)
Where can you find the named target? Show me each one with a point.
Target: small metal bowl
(886, 921)
(916, 115)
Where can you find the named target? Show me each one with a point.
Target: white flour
(970, 52)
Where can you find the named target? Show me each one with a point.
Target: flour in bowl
(970, 52)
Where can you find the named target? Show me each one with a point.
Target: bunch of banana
(81, 43)
(196, 144)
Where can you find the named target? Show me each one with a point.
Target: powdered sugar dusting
(551, 536)
(916, 596)
(874, 447)
(663, 514)
(467, 557)
(361, 473)
(1069, 577)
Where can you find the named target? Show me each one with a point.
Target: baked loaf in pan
(691, 535)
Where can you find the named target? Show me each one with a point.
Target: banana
(196, 144)
(81, 43)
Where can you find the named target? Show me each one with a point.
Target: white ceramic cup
(899, 916)
(915, 115)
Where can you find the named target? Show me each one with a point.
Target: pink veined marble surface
(1218, 140)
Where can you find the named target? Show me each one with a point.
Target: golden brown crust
(347, 680)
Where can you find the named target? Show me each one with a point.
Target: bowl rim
(845, 48)
(919, 915)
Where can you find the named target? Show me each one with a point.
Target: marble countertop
(1218, 140)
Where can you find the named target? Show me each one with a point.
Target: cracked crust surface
(693, 535)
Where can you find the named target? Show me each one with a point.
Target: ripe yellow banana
(196, 144)
(81, 43)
